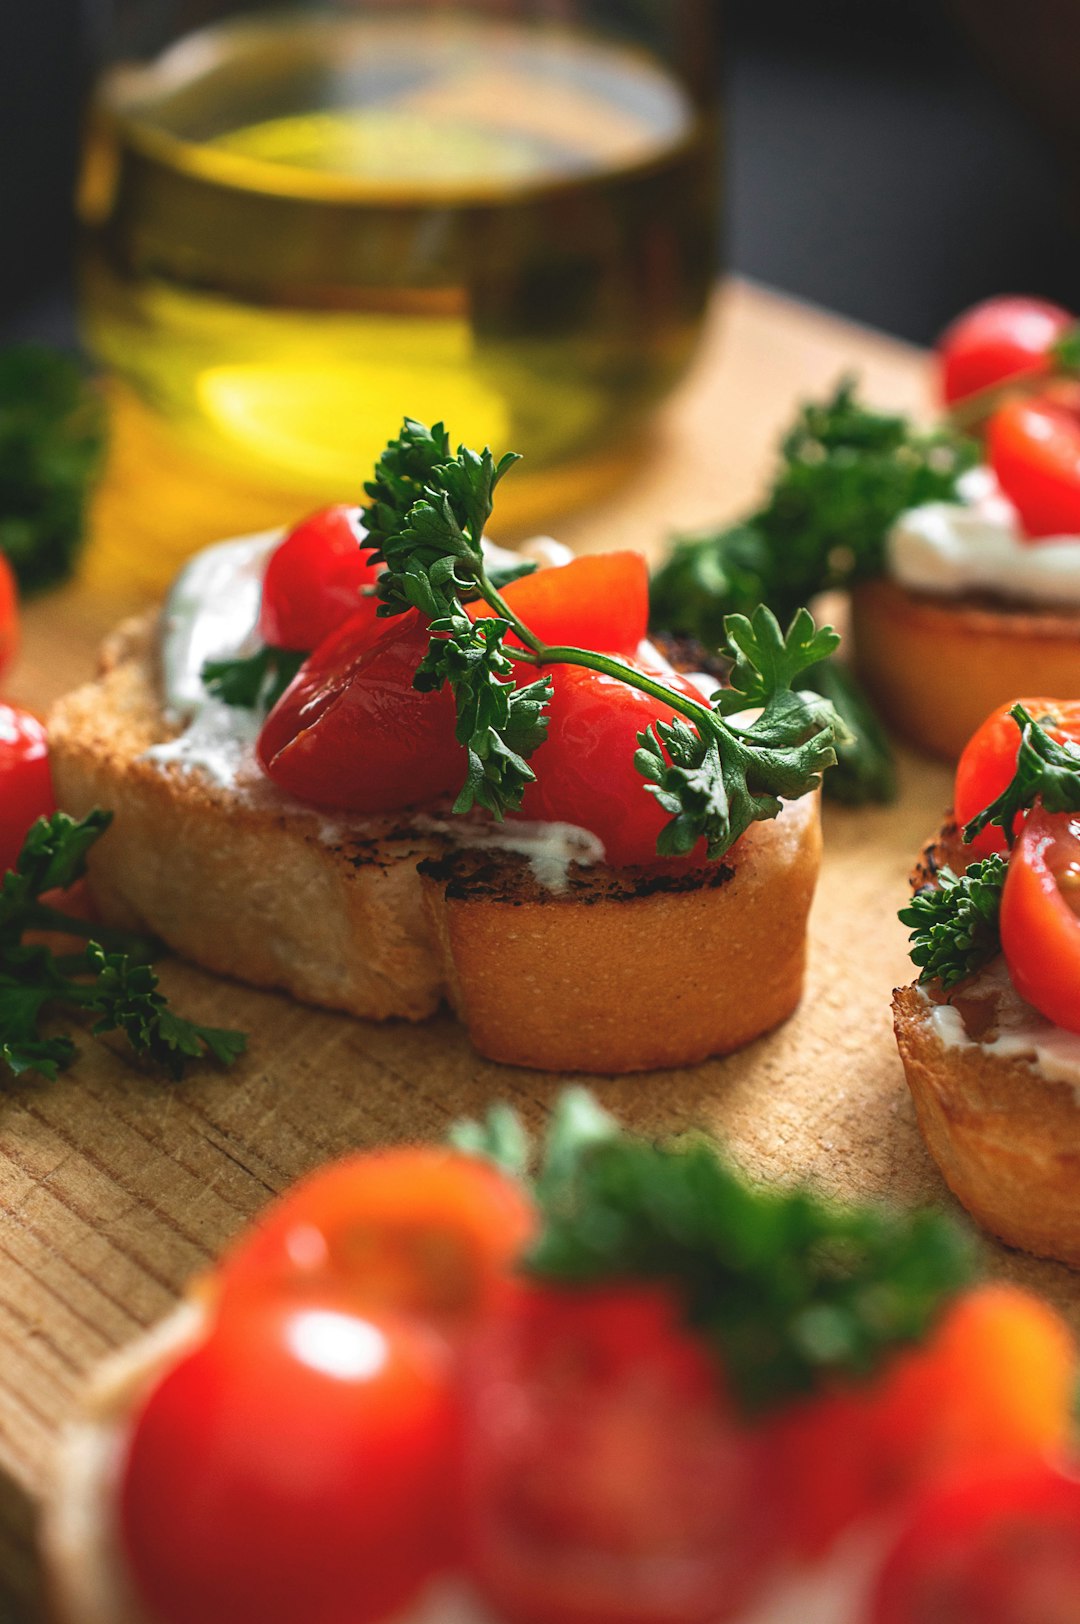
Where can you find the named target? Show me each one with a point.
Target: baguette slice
(996, 1097)
(616, 971)
(937, 667)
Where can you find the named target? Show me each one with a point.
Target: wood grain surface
(114, 1189)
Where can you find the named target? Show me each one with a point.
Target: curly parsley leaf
(954, 924)
(109, 979)
(865, 770)
(1046, 771)
(499, 724)
(255, 681)
(52, 444)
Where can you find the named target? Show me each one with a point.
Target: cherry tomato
(995, 340)
(26, 791)
(9, 614)
(352, 732)
(314, 581)
(988, 763)
(296, 1467)
(1034, 449)
(426, 1231)
(1040, 916)
(599, 602)
(1003, 1549)
(585, 771)
(605, 1480)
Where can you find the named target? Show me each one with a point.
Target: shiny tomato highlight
(1040, 916)
(425, 1231)
(298, 1466)
(315, 580)
(9, 615)
(26, 791)
(1034, 449)
(988, 763)
(996, 340)
(351, 731)
(597, 602)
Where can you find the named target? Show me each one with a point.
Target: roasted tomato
(315, 580)
(352, 732)
(421, 1230)
(297, 1466)
(606, 1480)
(599, 602)
(1034, 449)
(996, 340)
(26, 791)
(988, 763)
(585, 771)
(1040, 916)
(9, 615)
(997, 1549)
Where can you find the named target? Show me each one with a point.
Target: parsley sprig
(253, 681)
(715, 775)
(791, 1292)
(955, 922)
(109, 979)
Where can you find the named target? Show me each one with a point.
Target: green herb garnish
(52, 440)
(954, 924)
(791, 1292)
(1046, 771)
(865, 770)
(109, 979)
(253, 682)
(427, 514)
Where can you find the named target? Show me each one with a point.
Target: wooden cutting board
(115, 1188)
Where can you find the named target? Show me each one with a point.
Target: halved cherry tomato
(1003, 1549)
(1040, 916)
(988, 763)
(297, 1466)
(585, 771)
(599, 602)
(315, 580)
(421, 1230)
(9, 614)
(998, 339)
(1034, 449)
(352, 732)
(26, 791)
(606, 1480)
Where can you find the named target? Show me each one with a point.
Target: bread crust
(640, 973)
(937, 667)
(1006, 1139)
(623, 971)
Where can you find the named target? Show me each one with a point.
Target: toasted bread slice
(998, 1109)
(937, 667)
(615, 971)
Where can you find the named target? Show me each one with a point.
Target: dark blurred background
(893, 162)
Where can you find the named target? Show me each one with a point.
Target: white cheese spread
(1019, 1031)
(977, 545)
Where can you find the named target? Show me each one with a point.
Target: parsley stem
(39, 916)
(494, 597)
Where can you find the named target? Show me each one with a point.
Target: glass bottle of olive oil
(300, 226)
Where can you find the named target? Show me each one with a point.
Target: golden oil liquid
(299, 228)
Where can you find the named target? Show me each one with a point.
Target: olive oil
(300, 227)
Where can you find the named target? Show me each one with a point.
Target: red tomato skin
(1000, 1548)
(424, 1230)
(605, 1480)
(314, 580)
(988, 763)
(352, 733)
(597, 602)
(1040, 932)
(278, 1472)
(1034, 449)
(998, 339)
(585, 773)
(26, 790)
(9, 615)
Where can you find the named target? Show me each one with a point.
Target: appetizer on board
(990, 1033)
(378, 765)
(635, 1390)
(961, 545)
